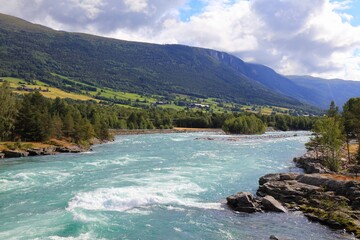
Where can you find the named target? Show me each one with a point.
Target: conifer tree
(8, 111)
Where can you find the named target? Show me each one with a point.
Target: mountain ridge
(33, 51)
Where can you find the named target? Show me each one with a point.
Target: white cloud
(136, 5)
(293, 37)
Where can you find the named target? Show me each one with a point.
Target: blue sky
(294, 37)
(194, 7)
(353, 10)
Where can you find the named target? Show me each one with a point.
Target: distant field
(137, 100)
(51, 93)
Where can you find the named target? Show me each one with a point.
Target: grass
(21, 145)
(353, 148)
(26, 145)
(330, 211)
(135, 98)
(52, 93)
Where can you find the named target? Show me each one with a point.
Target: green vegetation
(334, 212)
(173, 101)
(32, 117)
(8, 111)
(331, 130)
(105, 68)
(244, 124)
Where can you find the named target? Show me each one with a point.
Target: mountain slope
(314, 91)
(32, 51)
(327, 90)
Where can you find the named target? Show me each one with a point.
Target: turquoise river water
(160, 186)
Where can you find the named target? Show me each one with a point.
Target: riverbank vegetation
(32, 117)
(333, 134)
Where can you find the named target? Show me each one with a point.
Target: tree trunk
(348, 148)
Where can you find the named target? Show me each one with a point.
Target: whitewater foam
(131, 197)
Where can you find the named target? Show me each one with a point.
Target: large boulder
(287, 191)
(278, 177)
(243, 202)
(270, 204)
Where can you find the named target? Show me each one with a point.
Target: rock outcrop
(15, 154)
(72, 149)
(52, 150)
(246, 202)
(269, 203)
(310, 164)
(335, 203)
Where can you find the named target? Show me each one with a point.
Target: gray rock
(35, 151)
(49, 151)
(269, 203)
(273, 237)
(243, 202)
(2, 155)
(15, 154)
(72, 149)
(310, 164)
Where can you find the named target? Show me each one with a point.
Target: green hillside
(31, 51)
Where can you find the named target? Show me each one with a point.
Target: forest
(35, 52)
(32, 117)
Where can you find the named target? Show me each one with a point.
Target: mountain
(326, 90)
(314, 91)
(32, 51)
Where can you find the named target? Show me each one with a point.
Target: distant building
(23, 88)
(201, 106)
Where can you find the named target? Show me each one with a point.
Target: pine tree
(33, 120)
(8, 111)
(68, 124)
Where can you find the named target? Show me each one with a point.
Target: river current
(159, 186)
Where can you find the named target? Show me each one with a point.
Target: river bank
(323, 196)
(164, 131)
(51, 147)
(56, 146)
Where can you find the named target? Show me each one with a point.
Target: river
(158, 186)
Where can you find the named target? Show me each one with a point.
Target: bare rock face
(15, 154)
(269, 203)
(71, 149)
(243, 202)
(324, 199)
(246, 202)
(35, 151)
(311, 165)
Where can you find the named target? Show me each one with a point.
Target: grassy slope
(133, 97)
(53, 92)
(127, 66)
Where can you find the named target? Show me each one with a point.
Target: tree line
(32, 117)
(334, 130)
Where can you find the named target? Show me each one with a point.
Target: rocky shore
(52, 150)
(53, 147)
(162, 131)
(321, 196)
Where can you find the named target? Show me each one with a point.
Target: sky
(295, 37)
